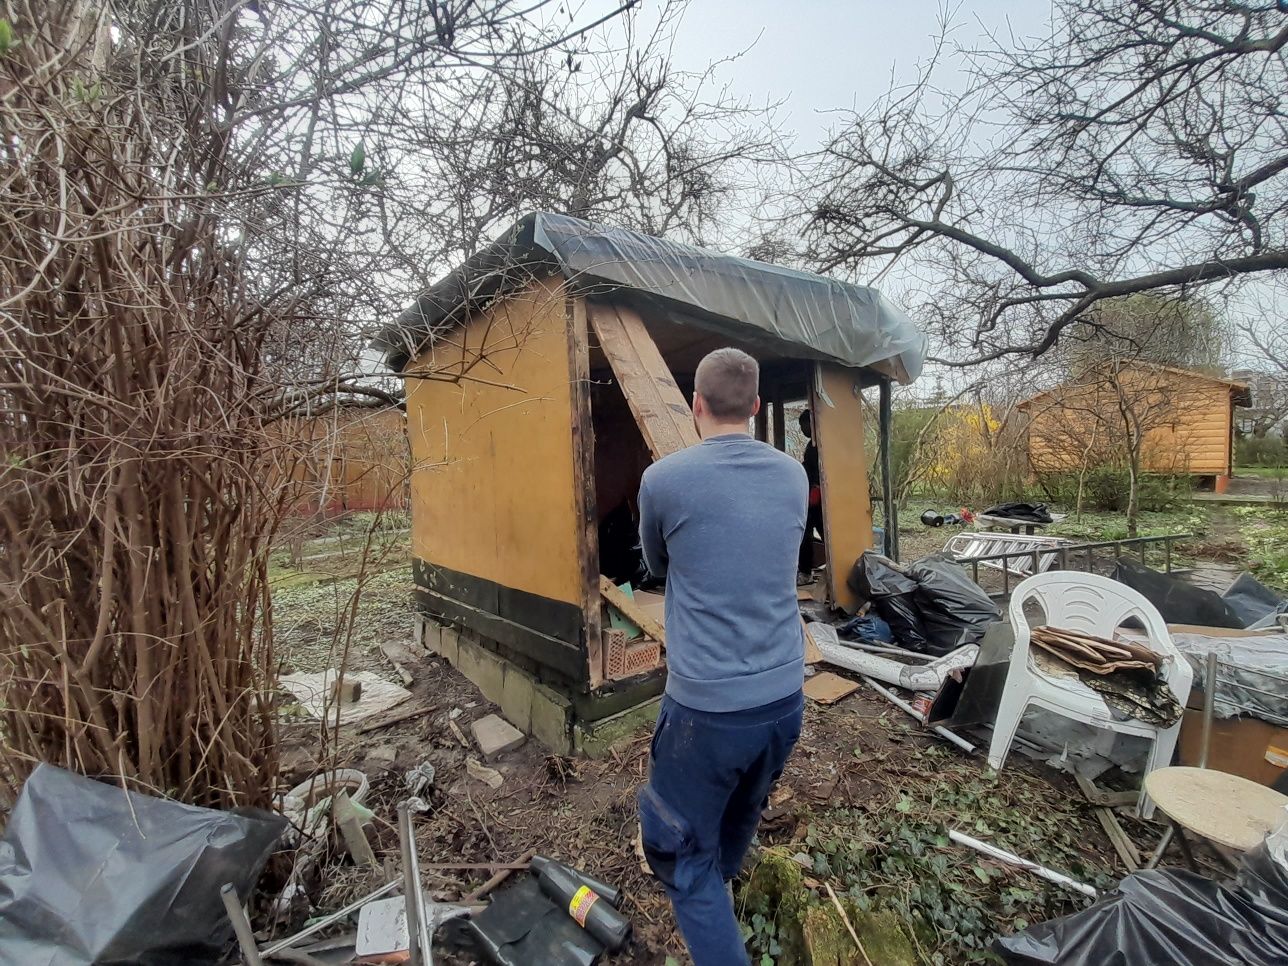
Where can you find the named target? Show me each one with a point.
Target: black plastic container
(611, 894)
(588, 908)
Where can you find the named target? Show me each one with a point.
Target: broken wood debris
(827, 688)
(622, 601)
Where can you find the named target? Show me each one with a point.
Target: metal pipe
(241, 925)
(1209, 705)
(411, 884)
(904, 706)
(885, 420)
(335, 917)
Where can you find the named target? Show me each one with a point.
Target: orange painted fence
(346, 460)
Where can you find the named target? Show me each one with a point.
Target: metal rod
(411, 884)
(241, 925)
(335, 917)
(885, 419)
(1002, 855)
(1162, 846)
(1209, 705)
(904, 706)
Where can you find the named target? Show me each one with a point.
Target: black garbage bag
(1169, 916)
(881, 580)
(89, 875)
(954, 610)
(1179, 602)
(1028, 512)
(1251, 600)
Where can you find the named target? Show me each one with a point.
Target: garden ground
(864, 806)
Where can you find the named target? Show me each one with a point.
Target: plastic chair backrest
(1093, 604)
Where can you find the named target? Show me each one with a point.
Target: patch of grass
(1100, 525)
(1265, 530)
(1263, 472)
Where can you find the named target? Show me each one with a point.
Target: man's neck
(724, 429)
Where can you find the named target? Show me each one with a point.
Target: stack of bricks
(624, 658)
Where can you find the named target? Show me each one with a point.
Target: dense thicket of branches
(203, 206)
(1141, 146)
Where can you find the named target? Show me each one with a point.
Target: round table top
(1227, 809)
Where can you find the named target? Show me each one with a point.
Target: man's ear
(756, 408)
(699, 405)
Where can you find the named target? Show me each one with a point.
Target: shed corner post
(885, 422)
(583, 449)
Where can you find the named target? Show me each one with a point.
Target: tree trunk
(1133, 494)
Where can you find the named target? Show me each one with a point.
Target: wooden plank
(1098, 796)
(629, 609)
(837, 415)
(1124, 846)
(812, 654)
(828, 688)
(660, 409)
(583, 455)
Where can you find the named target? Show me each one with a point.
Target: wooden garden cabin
(545, 374)
(1185, 419)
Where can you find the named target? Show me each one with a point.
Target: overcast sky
(819, 55)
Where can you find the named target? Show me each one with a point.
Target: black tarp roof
(795, 312)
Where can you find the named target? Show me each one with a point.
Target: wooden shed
(348, 458)
(1184, 420)
(542, 377)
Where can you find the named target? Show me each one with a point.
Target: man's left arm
(652, 542)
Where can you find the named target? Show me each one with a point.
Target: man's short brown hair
(728, 379)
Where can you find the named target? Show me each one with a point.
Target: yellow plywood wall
(847, 509)
(493, 491)
(1185, 420)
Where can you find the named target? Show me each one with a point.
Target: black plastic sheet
(1178, 602)
(880, 580)
(1164, 916)
(92, 877)
(1252, 601)
(522, 927)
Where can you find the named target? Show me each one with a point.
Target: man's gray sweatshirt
(723, 522)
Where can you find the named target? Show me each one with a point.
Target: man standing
(723, 522)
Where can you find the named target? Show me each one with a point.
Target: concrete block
(516, 698)
(551, 719)
(496, 736)
(481, 666)
(448, 639)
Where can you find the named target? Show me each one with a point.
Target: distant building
(1267, 412)
(1184, 419)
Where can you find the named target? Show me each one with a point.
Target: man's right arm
(652, 542)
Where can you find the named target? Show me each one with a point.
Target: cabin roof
(781, 309)
(1237, 389)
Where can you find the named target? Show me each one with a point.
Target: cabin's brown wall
(493, 479)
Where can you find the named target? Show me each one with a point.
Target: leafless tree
(204, 204)
(1140, 146)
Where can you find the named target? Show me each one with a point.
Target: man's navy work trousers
(710, 780)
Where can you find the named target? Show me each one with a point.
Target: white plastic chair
(1095, 605)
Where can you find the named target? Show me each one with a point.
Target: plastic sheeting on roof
(850, 324)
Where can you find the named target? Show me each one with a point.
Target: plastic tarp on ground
(91, 876)
(826, 318)
(1169, 916)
